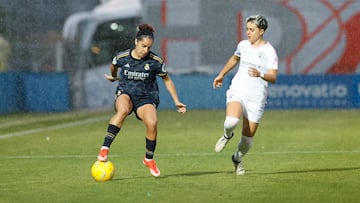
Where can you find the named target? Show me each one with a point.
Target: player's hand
(181, 108)
(111, 78)
(218, 82)
(253, 72)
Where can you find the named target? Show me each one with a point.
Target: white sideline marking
(178, 154)
(29, 120)
(54, 127)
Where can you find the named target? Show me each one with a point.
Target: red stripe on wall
(351, 56)
(163, 48)
(163, 12)
(239, 26)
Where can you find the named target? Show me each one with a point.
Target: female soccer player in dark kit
(138, 92)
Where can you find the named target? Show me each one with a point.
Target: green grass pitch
(297, 156)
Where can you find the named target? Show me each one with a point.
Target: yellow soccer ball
(102, 171)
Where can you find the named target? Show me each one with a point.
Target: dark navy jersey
(138, 76)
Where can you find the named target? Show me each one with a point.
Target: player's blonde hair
(259, 20)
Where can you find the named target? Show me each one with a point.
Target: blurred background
(53, 54)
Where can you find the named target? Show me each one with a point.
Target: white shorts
(252, 110)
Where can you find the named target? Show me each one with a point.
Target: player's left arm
(270, 75)
(272, 66)
(170, 86)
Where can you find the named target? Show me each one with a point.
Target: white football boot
(221, 143)
(239, 169)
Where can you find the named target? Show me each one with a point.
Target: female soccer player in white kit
(246, 96)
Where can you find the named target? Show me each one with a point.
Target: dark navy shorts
(138, 100)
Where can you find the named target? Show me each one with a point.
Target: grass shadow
(321, 170)
(249, 172)
(163, 176)
(195, 173)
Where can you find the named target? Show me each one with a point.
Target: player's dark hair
(145, 30)
(259, 20)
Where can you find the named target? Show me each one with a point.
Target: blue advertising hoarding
(51, 92)
(289, 92)
(315, 91)
(34, 92)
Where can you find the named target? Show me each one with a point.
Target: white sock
(243, 147)
(229, 125)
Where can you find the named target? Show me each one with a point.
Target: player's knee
(122, 112)
(230, 122)
(150, 123)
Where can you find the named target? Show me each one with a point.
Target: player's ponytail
(145, 30)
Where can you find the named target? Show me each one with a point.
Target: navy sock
(150, 148)
(112, 131)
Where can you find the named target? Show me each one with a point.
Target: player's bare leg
(148, 114)
(123, 107)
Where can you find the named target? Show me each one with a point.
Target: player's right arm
(230, 64)
(113, 71)
(113, 77)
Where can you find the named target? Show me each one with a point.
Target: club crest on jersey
(261, 55)
(147, 67)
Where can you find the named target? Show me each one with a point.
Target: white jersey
(262, 58)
